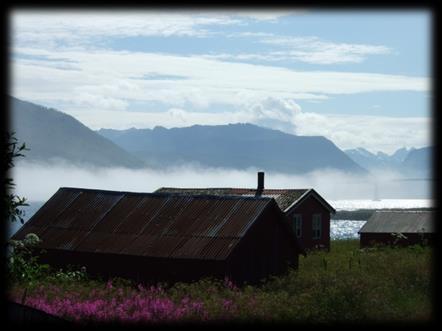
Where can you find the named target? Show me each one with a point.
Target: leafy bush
(12, 203)
(23, 263)
(69, 276)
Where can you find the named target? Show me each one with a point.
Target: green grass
(353, 284)
(344, 285)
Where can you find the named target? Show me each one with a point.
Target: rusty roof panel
(70, 239)
(220, 248)
(220, 217)
(57, 238)
(114, 243)
(116, 216)
(155, 225)
(187, 219)
(202, 224)
(92, 241)
(248, 211)
(138, 245)
(140, 216)
(46, 215)
(283, 197)
(50, 237)
(162, 246)
(168, 216)
(191, 248)
(87, 210)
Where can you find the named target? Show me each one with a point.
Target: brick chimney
(260, 187)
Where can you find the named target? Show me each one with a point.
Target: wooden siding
(373, 239)
(266, 250)
(307, 209)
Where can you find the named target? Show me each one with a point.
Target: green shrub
(23, 263)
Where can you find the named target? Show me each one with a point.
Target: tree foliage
(12, 202)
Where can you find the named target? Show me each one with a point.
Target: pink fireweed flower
(229, 284)
(110, 303)
(227, 304)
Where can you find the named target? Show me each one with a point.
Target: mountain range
(237, 146)
(53, 135)
(410, 162)
(379, 160)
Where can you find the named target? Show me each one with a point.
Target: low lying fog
(38, 182)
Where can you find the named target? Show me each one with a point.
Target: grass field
(344, 285)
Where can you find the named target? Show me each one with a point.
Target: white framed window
(317, 226)
(297, 225)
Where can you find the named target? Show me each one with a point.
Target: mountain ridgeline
(409, 162)
(379, 160)
(418, 162)
(52, 135)
(237, 146)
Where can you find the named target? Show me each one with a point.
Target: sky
(359, 78)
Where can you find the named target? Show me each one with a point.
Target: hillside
(236, 146)
(379, 160)
(419, 162)
(53, 135)
(410, 162)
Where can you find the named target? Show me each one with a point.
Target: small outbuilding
(308, 212)
(151, 237)
(398, 228)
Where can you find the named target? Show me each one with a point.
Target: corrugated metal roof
(399, 221)
(146, 224)
(285, 198)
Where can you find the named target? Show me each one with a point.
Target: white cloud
(311, 50)
(76, 29)
(112, 74)
(93, 101)
(268, 15)
(375, 133)
(317, 51)
(86, 27)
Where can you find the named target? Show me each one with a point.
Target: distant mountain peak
(53, 135)
(236, 146)
(403, 160)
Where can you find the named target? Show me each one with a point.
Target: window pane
(297, 223)
(317, 226)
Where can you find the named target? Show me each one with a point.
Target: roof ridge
(232, 188)
(173, 194)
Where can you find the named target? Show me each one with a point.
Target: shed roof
(285, 198)
(400, 222)
(146, 224)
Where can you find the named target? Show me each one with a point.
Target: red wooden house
(153, 237)
(307, 212)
